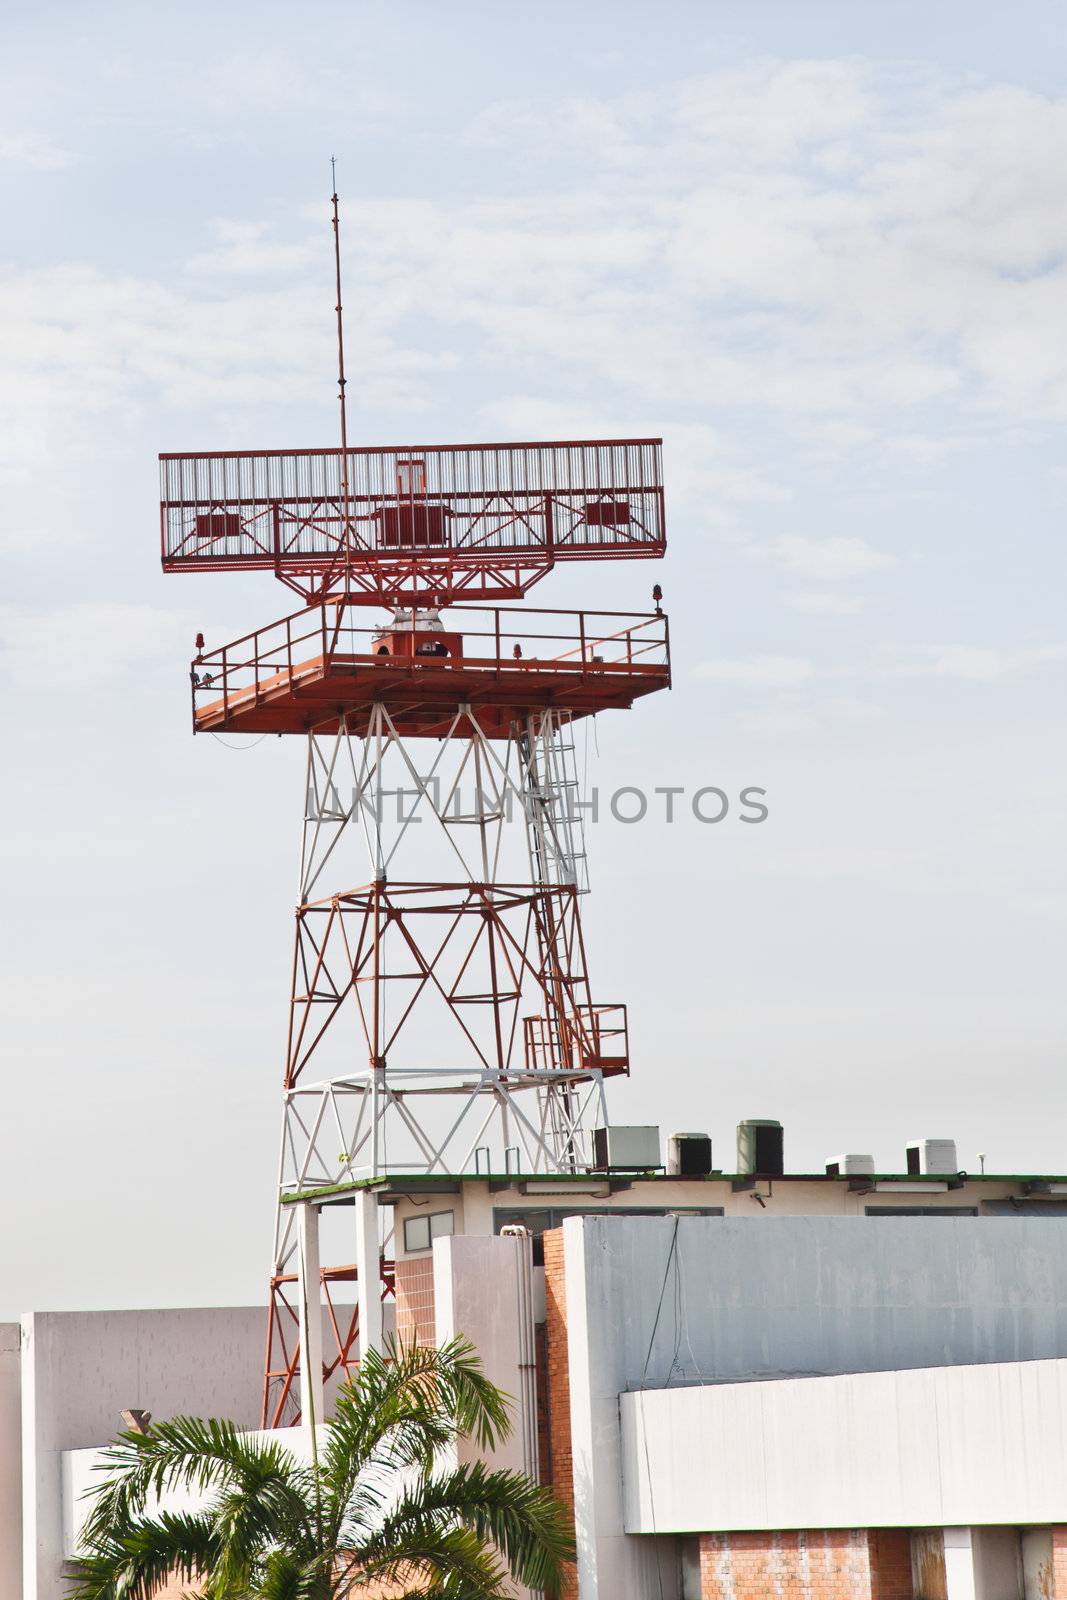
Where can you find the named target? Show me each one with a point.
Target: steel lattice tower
(441, 1015)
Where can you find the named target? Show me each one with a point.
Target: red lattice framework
(478, 950)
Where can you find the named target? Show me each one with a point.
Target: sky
(822, 251)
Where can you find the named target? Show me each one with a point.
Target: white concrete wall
(81, 1369)
(476, 1296)
(10, 1463)
(601, 1351)
(82, 1473)
(998, 1564)
(479, 1295)
(938, 1446)
(760, 1296)
(797, 1296)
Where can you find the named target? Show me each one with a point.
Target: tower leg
(368, 1272)
(309, 1300)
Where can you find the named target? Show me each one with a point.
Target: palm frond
(134, 1557)
(430, 1557)
(405, 1406)
(370, 1509)
(187, 1452)
(284, 1577)
(525, 1522)
(250, 1524)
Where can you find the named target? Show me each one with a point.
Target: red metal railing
(582, 644)
(597, 1036)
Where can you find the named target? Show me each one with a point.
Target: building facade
(817, 1387)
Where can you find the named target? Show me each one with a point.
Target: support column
(998, 1568)
(309, 1299)
(368, 1272)
(959, 1565)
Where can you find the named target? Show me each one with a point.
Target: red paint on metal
(442, 522)
(308, 670)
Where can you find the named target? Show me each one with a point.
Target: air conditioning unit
(851, 1166)
(760, 1147)
(930, 1156)
(626, 1149)
(689, 1155)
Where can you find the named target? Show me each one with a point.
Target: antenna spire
(345, 486)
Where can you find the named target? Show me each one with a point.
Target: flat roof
(414, 1182)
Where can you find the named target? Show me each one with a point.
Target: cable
(251, 746)
(662, 1292)
(644, 1371)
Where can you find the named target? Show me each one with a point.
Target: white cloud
(794, 715)
(28, 153)
(785, 720)
(828, 240)
(979, 663)
(876, 233)
(79, 647)
(246, 249)
(823, 602)
(759, 671)
(828, 559)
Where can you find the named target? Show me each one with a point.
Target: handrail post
(225, 687)
(581, 638)
(496, 619)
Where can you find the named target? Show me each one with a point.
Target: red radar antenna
(443, 1022)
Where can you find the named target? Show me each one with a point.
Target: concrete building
(815, 1386)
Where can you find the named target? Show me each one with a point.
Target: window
(922, 1211)
(420, 1232)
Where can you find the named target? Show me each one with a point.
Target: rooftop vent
(689, 1155)
(927, 1156)
(851, 1166)
(760, 1147)
(619, 1148)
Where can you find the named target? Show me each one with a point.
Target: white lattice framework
(484, 1084)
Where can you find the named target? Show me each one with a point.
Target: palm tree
(373, 1513)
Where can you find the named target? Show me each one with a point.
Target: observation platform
(306, 671)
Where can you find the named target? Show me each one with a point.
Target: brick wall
(827, 1564)
(415, 1321)
(889, 1553)
(558, 1428)
(174, 1589)
(1059, 1563)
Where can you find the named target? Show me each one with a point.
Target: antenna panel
(418, 516)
